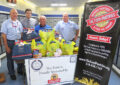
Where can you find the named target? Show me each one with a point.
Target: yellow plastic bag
(76, 49)
(43, 35)
(33, 45)
(42, 47)
(51, 34)
(25, 42)
(52, 45)
(67, 47)
(47, 35)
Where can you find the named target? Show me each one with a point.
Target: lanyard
(14, 25)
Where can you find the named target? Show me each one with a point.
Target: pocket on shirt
(11, 30)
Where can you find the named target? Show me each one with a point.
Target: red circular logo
(102, 19)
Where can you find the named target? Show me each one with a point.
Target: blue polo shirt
(45, 28)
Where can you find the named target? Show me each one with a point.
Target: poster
(98, 42)
(50, 70)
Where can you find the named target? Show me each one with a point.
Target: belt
(11, 40)
(72, 39)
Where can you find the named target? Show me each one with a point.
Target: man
(67, 29)
(29, 22)
(11, 30)
(42, 25)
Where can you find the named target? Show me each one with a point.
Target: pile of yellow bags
(48, 46)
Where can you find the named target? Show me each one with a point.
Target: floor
(114, 78)
(20, 79)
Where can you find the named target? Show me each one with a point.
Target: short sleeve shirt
(67, 30)
(12, 29)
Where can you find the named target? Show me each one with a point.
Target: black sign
(98, 42)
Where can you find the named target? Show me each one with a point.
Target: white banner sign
(49, 70)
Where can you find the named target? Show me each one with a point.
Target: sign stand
(99, 37)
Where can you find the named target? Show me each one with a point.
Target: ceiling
(71, 3)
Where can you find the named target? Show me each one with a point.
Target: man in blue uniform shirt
(67, 29)
(42, 25)
(11, 30)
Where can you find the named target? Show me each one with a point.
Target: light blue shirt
(12, 29)
(67, 30)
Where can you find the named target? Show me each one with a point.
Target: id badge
(18, 34)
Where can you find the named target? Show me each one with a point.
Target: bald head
(13, 14)
(65, 17)
(42, 17)
(42, 20)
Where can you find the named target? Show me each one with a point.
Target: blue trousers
(10, 62)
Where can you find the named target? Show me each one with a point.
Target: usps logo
(36, 65)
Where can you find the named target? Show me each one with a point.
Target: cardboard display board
(99, 37)
(50, 70)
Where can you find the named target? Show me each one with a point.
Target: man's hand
(8, 50)
(56, 33)
(75, 38)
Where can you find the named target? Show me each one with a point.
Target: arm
(37, 29)
(5, 43)
(4, 37)
(76, 36)
(77, 32)
(57, 27)
(21, 36)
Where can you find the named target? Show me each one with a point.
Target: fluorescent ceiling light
(12, 4)
(56, 4)
(90, 0)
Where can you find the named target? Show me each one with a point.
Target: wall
(58, 10)
(21, 5)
